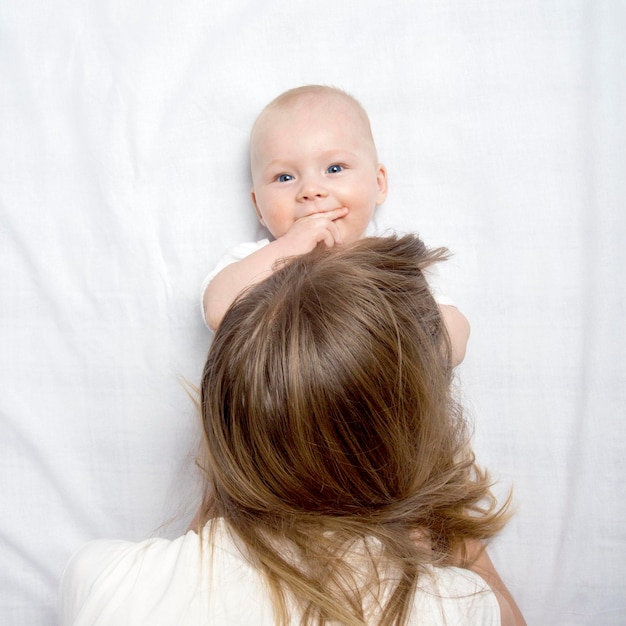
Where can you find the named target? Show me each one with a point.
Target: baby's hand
(306, 232)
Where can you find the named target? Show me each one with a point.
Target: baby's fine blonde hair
(307, 95)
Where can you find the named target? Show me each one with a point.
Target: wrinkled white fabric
(124, 178)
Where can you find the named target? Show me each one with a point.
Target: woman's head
(329, 421)
(327, 387)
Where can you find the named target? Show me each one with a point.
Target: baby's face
(314, 157)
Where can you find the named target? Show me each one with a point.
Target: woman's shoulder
(102, 576)
(161, 582)
(103, 557)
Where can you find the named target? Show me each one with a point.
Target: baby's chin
(354, 226)
(350, 235)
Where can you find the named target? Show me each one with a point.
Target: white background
(123, 177)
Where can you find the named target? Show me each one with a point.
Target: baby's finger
(333, 230)
(329, 239)
(336, 214)
(332, 214)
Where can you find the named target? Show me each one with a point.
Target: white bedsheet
(123, 177)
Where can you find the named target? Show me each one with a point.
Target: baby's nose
(311, 190)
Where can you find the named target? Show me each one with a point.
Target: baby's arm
(458, 330)
(301, 238)
(456, 323)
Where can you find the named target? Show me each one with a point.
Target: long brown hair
(334, 448)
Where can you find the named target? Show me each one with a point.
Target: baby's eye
(335, 168)
(284, 178)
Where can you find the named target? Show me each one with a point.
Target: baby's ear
(256, 206)
(381, 181)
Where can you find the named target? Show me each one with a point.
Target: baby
(315, 179)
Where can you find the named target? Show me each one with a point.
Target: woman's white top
(187, 582)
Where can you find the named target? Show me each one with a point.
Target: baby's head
(311, 151)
